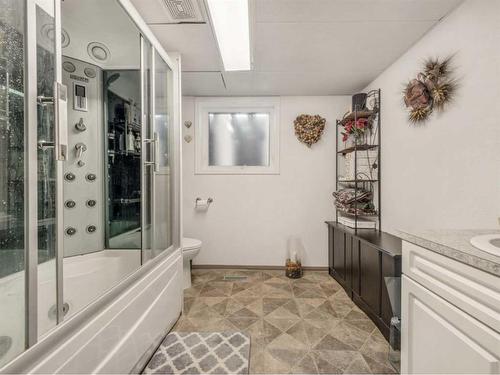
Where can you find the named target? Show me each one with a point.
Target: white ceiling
(300, 47)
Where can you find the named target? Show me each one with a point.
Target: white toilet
(190, 249)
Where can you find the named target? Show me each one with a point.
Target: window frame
(204, 106)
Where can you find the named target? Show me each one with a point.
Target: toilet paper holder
(202, 203)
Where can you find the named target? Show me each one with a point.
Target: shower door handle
(43, 145)
(154, 144)
(156, 152)
(61, 121)
(148, 141)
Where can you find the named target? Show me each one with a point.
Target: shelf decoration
(309, 128)
(355, 201)
(357, 188)
(433, 88)
(356, 128)
(358, 123)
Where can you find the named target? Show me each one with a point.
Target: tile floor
(306, 326)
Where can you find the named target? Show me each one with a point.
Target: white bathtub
(86, 277)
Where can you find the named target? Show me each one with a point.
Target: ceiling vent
(184, 11)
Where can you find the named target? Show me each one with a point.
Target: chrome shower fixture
(91, 203)
(91, 177)
(80, 149)
(70, 203)
(112, 78)
(91, 228)
(80, 126)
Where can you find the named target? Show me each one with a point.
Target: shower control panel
(83, 187)
(80, 102)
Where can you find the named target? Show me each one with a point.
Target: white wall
(446, 173)
(253, 215)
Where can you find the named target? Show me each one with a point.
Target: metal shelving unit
(371, 140)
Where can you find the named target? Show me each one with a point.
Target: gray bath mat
(201, 353)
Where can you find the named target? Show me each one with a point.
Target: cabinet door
(370, 276)
(330, 248)
(355, 265)
(339, 253)
(348, 261)
(439, 338)
(391, 267)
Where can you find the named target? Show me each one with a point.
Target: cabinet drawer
(472, 290)
(438, 338)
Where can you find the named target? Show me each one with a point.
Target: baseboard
(233, 267)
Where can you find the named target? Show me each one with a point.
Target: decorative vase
(359, 101)
(293, 269)
(293, 266)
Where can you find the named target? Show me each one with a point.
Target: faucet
(80, 149)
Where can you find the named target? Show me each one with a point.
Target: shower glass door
(12, 179)
(157, 128)
(46, 184)
(163, 135)
(148, 153)
(28, 173)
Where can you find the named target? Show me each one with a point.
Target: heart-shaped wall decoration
(188, 138)
(309, 129)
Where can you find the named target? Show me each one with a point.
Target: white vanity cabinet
(450, 316)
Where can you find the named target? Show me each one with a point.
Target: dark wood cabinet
(369, 288)
(360, 261)
(339, 253)
(389, 269)
(355, 266)
(348, 261)
(330, 246)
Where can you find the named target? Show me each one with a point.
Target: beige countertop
(455, 244)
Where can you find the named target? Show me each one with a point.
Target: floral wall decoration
(433, 88)
(356, 128)
(309, 129)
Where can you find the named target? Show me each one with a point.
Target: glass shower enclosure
(29, 99)
(87, 162)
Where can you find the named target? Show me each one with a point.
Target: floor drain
(234, 278)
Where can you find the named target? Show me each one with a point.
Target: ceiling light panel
(230, 19)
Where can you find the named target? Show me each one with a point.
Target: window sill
(237, 171)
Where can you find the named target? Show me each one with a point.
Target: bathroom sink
(487, 242)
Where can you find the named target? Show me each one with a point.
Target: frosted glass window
(237, 135)
(238, 139)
